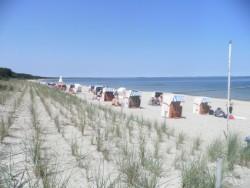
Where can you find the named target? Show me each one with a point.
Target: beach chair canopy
(121, 91)
(199, 100)
(98, 86)
(169, 98)
(133, 93)
(108, 89)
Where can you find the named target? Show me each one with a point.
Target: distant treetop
(6, 73)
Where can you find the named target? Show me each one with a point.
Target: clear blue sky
(124, 37)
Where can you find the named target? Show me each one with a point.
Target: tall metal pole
(229, 83)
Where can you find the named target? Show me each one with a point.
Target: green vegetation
(196, 174)
(233, 145)
(197, 143)
(6, 73)
(3, 130)
(245, 156)
(216, 150)
(231, 150)
(180, 139)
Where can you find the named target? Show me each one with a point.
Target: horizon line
(147, 76)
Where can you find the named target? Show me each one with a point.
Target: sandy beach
(124, 94)
(206, 126)
(54, 138)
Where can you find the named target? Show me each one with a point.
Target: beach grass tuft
(216, 150)
(233, 150)
(3, 130)
(180, 139)
(197, 174)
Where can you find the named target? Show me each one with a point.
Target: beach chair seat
(175, 110)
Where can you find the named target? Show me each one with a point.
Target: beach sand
(207, 127)
(61, 130)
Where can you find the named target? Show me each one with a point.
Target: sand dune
(57, 140)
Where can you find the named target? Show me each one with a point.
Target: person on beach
(231, 108)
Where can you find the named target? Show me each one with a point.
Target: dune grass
(233, 145)
(132, 145)
(196, 174)
(245, 156)
(231, 149)
(3, 130)
(10, 178)
(180, 139)
(6, 123)
(216, 150)
(197, 143)
(44, 168)
(129, 169)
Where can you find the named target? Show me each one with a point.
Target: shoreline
(185, 95)
(191, 95)
(214, 88)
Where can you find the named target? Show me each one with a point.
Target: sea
(199, 86)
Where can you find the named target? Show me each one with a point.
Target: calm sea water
(207, 86)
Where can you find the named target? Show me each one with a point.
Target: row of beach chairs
(171, 104)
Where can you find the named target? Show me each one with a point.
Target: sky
(125, 38)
